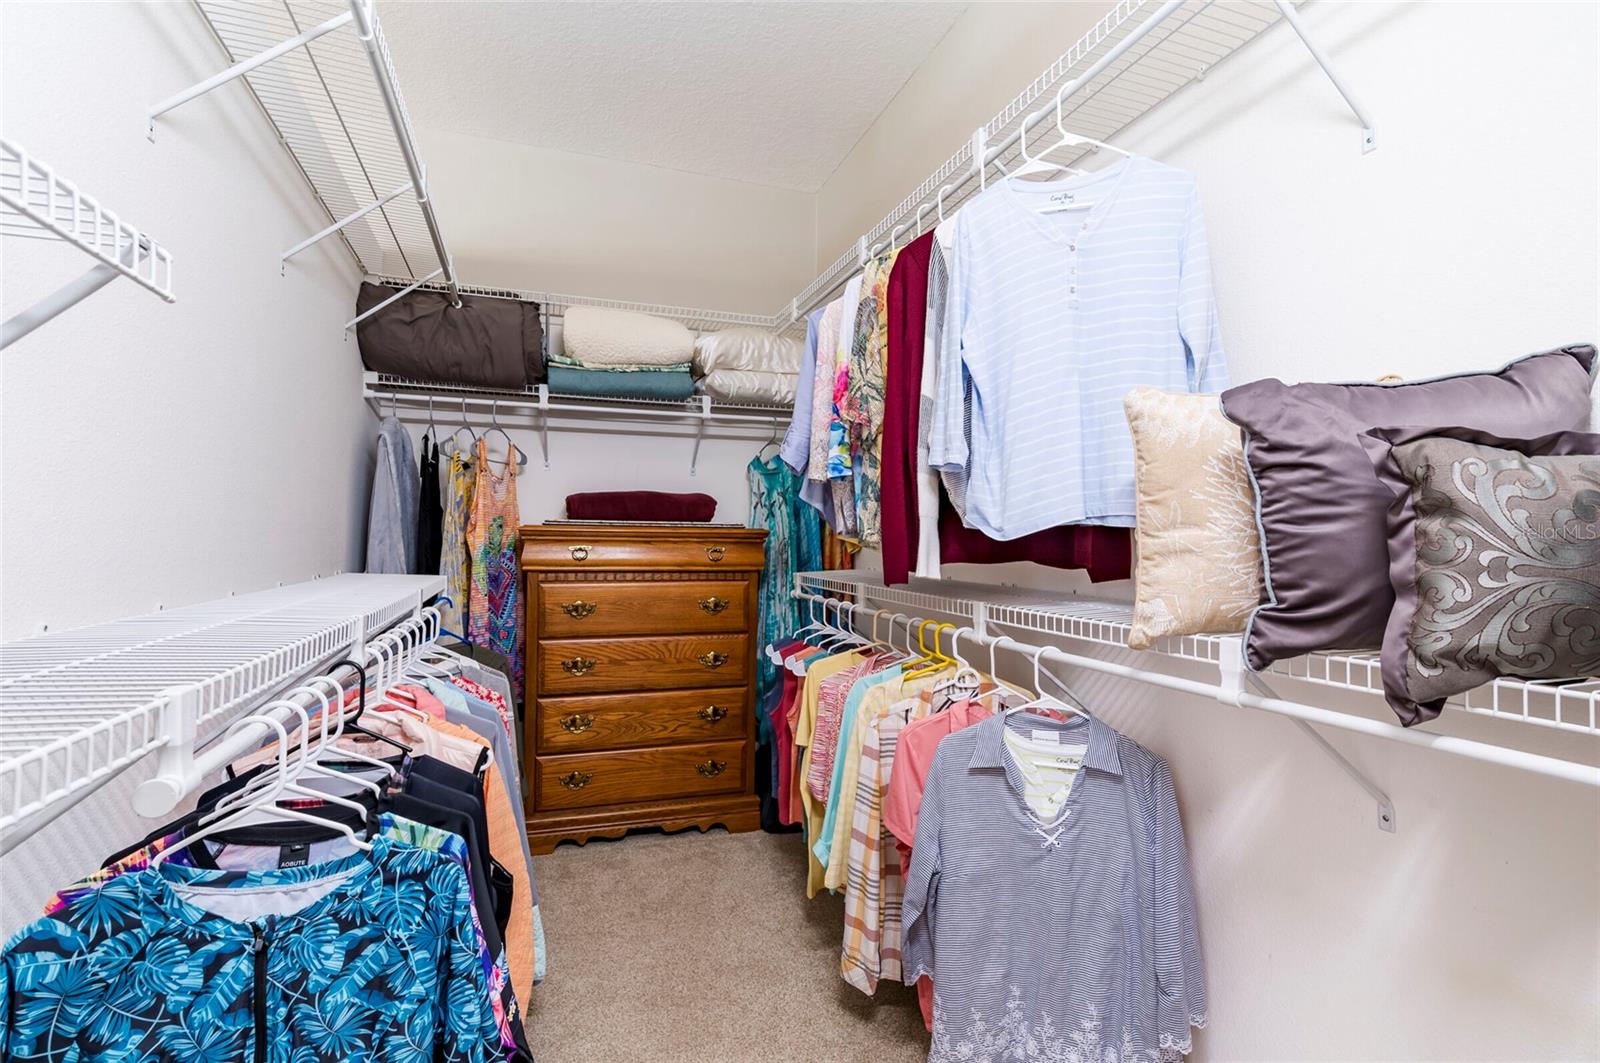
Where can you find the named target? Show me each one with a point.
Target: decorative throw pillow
(1322, 512)
(1197, 550)
(1494, 555)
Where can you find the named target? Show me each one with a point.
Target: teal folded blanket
(638, 384)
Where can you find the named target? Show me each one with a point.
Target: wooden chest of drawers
(641, 678)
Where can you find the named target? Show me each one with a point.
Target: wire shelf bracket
(35, 202)
(1570, 706)
(335, 103)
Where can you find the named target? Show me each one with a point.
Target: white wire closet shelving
(37, 203)
(77, 708)
(1569, 706)
(337, 108)
(321, 72)
(447, 404)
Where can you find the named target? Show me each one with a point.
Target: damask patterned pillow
(1494, 555)
(1197, 550)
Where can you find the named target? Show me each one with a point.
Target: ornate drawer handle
(713, 659)
(713, 605)
(576, 780)
(579, 610)
(578, 722)
(713, 714)
(711, 768)
(579, 553)
(578, 665)
(716, 553)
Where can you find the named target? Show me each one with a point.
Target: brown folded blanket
(656, 506)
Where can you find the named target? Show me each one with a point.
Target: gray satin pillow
(1494, 556)
(1324, 539)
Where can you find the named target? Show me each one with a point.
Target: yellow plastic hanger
(939, 662)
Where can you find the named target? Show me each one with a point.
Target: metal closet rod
(1536, 763)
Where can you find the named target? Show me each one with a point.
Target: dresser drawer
(574, 549)
(625, 721)
(598, 666)
(580, 780)
(670, 607)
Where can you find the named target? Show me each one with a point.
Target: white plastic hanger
(1034, 164)
(513, 453)
(265, 802)
(1042, 700)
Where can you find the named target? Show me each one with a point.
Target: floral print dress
(494, 619)
(454, 564)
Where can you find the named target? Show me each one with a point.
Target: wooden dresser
(641, 678)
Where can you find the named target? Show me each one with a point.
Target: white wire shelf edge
(39, 203)
(381, 388)
(1568, 705)
(79, 707)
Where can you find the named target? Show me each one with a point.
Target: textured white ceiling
(772, 93)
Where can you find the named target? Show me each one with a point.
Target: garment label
(1048, 737)
(296, 854)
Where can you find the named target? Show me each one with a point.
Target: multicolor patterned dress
(494, 619)
(454, 564)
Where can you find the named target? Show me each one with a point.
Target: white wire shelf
(1571, 705)
(38, 203)
(386, 387)
(322, 74)
(79, 707)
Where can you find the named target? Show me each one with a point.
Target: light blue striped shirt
(1050, 319)
(1073, 939)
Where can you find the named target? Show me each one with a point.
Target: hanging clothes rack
(1572, 706)
(37, 203)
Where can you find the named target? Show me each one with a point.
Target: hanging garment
(1102, 954)
(454, 557)
(430, 514)
(495, 619)
(392, 516)
(369, 957)
(1047, 369)
(774, 502)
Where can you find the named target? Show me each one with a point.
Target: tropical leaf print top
(368, 958)
(493, 618)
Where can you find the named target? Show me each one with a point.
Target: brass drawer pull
(578, 665)
(716, 553)
(579, 610)
(579, 553)
(713, 659)
(713, 605)
(576, 780)
(711, 768)
(578, 722)
(713, 714)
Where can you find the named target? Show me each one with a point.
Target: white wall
(159, 454)
(532, 218)
(990, 53)
(1467, 238)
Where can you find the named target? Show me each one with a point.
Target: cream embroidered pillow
(1197, 565)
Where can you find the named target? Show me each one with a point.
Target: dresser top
(634, 530)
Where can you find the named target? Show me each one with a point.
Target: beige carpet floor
(703, 947)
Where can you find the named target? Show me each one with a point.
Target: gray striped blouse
(1071, 941)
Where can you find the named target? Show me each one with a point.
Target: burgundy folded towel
(654, 506)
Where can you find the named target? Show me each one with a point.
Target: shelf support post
(1234, 674)
(1369, 132)
(244, 66)
(703, 414)
(342, 222)
(543, 392)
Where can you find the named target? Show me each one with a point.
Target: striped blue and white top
(1064, 295)
(1072, 938)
